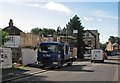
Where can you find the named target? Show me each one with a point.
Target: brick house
(92, 38)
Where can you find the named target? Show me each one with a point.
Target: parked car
(105, 55)
(118, 53)
(113, 53)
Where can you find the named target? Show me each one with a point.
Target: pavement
(20, 72)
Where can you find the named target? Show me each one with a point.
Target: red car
(105, 55)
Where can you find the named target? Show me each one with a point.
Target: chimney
(11, 22)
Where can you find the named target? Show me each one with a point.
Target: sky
(101, 16)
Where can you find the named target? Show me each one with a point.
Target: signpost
(75, 31)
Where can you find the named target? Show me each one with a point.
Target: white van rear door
(97, 55)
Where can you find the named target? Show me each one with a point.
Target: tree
(103, 46)
(59, 30)
(75, 24)
(5, 37)
(44, 31)
(63, 32)
(113, 39)
(118, 40)
(35, 31)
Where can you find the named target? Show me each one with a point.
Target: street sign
(75, 31)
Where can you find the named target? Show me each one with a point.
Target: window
(89, 43)
(11, 39)
(49, 48)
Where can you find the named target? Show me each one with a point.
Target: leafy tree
(51, 31)
(118, 40)
(113, 39)
(59, 30)
(75, 24)
(103, 46)
(63, 32)
(35, 31)
(44, 31)
(5, 37)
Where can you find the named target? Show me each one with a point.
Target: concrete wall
(28, 56)
(5, 58)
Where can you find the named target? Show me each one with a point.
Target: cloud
(57, 7)
(104, 14)
(88, 19)
(30, 5)
(99, 20)
(35, 5)
(51, 6)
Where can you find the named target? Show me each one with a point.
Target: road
(80, 71)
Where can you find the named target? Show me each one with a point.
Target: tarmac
(10, 74)
(13, 73)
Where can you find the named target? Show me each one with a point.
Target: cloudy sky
(102, 16)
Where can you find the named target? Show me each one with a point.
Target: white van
(97, 55)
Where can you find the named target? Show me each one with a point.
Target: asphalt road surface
(80, 71)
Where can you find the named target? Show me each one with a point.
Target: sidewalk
(20, 72)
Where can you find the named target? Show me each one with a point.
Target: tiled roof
(12, 30)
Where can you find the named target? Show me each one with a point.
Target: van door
(96, 55)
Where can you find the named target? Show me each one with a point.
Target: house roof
(115, 44)
(92, 32)
(12, 30)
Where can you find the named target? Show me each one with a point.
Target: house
(92, 39)
(112, 47)
(14, 35)
(115, 47)
(109, 46)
